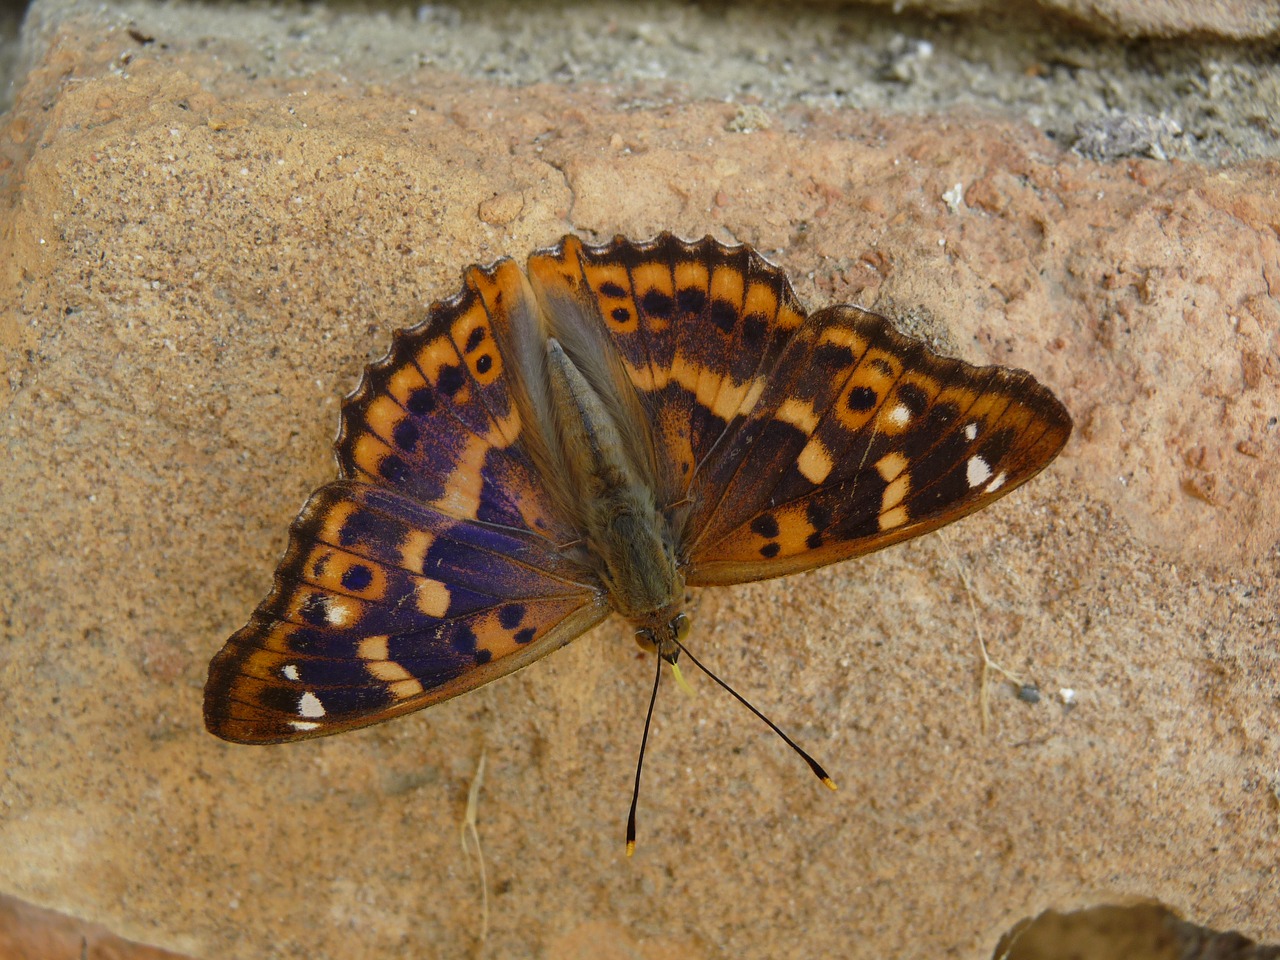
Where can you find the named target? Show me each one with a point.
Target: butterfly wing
(787, 441)
(443, 418)
(434, 565)
(383, 605)
(863, 438)
(696, 327)
(774, 441)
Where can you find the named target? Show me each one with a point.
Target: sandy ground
(216, 217)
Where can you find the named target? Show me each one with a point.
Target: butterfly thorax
(627, 537)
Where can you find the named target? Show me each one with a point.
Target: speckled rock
(196, 266)
(1237, 19)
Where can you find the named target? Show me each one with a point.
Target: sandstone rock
(1237, 19)
(197, 265)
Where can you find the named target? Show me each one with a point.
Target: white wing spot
(900, 415)
(309, 705)
(337, 613)
(971, 431)
(303, 725)
(290, 671)
(978, 471)
(998, 482)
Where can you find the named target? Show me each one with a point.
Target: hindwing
(383, 605)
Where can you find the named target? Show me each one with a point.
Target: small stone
(501, 209)
(749, 119)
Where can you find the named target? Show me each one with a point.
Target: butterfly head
(664, 633)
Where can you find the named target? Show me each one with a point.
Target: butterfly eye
(680, 626)
(646, 640)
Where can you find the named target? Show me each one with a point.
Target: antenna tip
(631, 847)
(831, 784)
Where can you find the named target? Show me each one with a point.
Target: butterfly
(597, 433)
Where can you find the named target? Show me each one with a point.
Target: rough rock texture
(196, 264)
(28, 932)
(1238, 19)
(1148, 931)
(1203, 98)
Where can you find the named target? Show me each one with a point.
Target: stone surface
(1207, 97)
(1237, 19)
(28, 932)
(198, 262)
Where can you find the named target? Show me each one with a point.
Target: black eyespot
(833, 356)
(357, 578)
(861, 399)
(484, 363)
(393, 468)
(405, 434)
(724, 315)
(691, 300)
(621, 314)
(657, 304)
(451, 379)
(421, 402)
(942, 415)
(766, 525)
(314, 610)
(913, 398)
(819, 517)
(464, 639)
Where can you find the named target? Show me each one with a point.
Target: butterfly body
(596, 433)
(629, 540)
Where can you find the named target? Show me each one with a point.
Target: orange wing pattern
(451, 549)
(433, 565)
(788, 441)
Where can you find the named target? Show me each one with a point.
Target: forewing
(383, 605)
(441, 418)
(862, 438)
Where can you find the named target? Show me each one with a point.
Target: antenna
(635, 792)
(816, 767)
